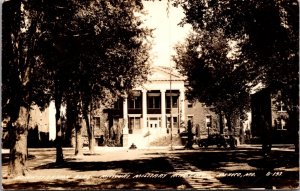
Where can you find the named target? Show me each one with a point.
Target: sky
(167, 33)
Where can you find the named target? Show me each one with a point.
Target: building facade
(151, 111)
(158, 108)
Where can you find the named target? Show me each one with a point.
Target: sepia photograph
(149, 94)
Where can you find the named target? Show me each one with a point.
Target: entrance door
(153, 124)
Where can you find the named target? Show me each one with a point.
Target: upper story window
(190, 104)
(154, 102)
(281, 107)
(208, 121)
(97, 122)
(118, 104)
(174, 101)
(135, 103)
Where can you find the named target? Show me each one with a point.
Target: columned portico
(163, 108)
(151, 106)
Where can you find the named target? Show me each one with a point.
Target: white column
(182, 105)
(144, 109)
(125, 115)
(52, 121)
(163, 109)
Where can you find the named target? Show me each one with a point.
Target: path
(196, 178)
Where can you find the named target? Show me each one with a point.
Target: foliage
(80, 50)
(213, 75)
(266, 33)
(265, 38)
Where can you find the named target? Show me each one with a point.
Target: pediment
(163, 74)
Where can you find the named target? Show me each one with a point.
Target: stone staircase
(153, 137)
(143, 138)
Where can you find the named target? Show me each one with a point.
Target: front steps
(154, 137)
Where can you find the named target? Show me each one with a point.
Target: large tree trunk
(90, 133)
(18, 144)
(229, 123)
(118, 133)
(69, 134)
(232, 141)
(58, 140)
(70, 125)
(19, 77)
(79, 143)
(221, 123)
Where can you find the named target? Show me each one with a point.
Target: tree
(266, 33)
(55, 50)
(113, 35)
(215, 80)
(23, 84)
(116, 36)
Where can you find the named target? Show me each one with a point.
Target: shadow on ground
(130, 167)
(279, 169)
(97, 184)
(233, 168)
(261, 179)
(155, 165)
(5, 158)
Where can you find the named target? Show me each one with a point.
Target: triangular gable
(160, 73)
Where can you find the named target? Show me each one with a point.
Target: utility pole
(171, 101)
(171, 117)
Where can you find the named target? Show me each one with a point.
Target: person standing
(189, 144)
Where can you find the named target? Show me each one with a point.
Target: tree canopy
(60, 50)
(266, 34)
(265, 38)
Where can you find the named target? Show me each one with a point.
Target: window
(175, 119)
(175, 122)
(97, 122)
(168, 122)
(280, 123)
(208, 121)
(174, 101)
(154, 102)
(190, 104)
(281, 107)
(135, 103)
(118, 104)
(134, 123)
